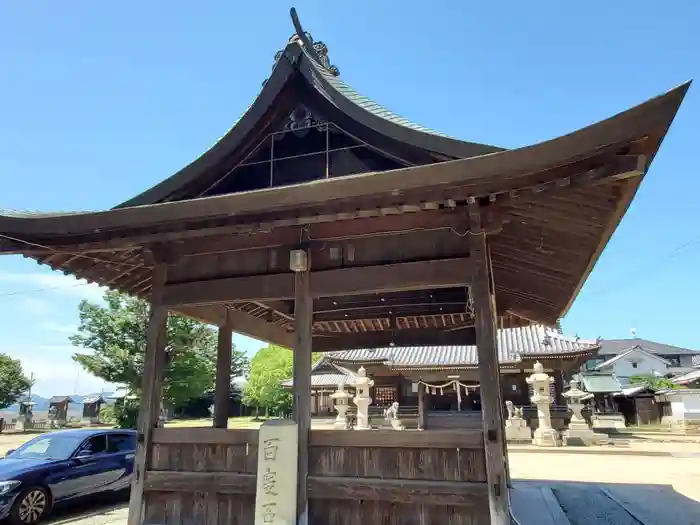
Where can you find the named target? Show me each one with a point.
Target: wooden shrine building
(322, 221)
(92, 406)
(437, 382)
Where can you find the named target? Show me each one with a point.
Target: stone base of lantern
(581, 435)
(396, 424)
(608, 421)
(517, 431)
(545, 437)
(340, 424)
(19, 425)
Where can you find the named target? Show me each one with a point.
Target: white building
(633, 357)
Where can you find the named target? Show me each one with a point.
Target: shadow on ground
(86, 508)
(543, 502)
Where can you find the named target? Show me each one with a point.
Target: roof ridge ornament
(317, 50)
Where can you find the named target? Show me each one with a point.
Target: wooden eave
(554, 207)
(295, 59)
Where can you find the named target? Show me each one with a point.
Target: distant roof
(634, 349)
(600, 383)
(325, 373)
(690, 377)
(93, 399)
(634, 390)
(61, 399)
(617, 346)
(514, 344)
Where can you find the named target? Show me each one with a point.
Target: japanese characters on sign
(275, 501)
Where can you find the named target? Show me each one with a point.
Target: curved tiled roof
(514, 344)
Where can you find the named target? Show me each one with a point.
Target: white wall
(686, 361)
(685, 405)
(624, 367)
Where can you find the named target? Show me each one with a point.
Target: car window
(121, 442)
(56, 445)
(95, 445)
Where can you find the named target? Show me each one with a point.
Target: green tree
(116, 335)
(270, 366)
(13, 382)
(653, 382)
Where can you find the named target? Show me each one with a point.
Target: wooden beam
(421, 275)
(412, 337)
(242, 322)
(222, 392)
(283, 232)
(408, 491)
(301, 408)
(156, 340)
(489, 377)
(339, 229)
(205, 436)
(404, 491)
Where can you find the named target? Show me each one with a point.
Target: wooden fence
(207, 476)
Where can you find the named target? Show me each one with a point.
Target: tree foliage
(270, 366)
(653, 382)
(116, 335)
(13, 382)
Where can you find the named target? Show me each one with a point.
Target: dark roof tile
(513, 345)
(617, 346)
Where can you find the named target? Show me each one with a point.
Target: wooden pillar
(489, 377)
(301, 409)
(151, 390)
(222, 392)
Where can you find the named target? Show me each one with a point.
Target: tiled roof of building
(326, 373)
(618, 346)
(321, 380)
(61, 399)
(634, 349)
(513, 345)
(690, 377)
(93, 399)
(600, 383)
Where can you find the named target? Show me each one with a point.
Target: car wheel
(31, 506)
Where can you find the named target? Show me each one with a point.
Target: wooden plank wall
(207, 476)
(202, 476)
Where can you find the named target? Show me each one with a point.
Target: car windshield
(54, 446)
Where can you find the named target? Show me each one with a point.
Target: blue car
(61, 466)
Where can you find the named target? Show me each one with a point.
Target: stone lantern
(341, 403)
(545, 435)
(578, 432)
(362, 399)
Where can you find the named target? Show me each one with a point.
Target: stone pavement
(109, 514)
(579, 488)
(570, 503)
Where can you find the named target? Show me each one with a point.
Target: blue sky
(99, 101)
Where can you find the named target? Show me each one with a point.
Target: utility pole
(31, 384)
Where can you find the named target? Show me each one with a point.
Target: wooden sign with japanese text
(276, 493)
